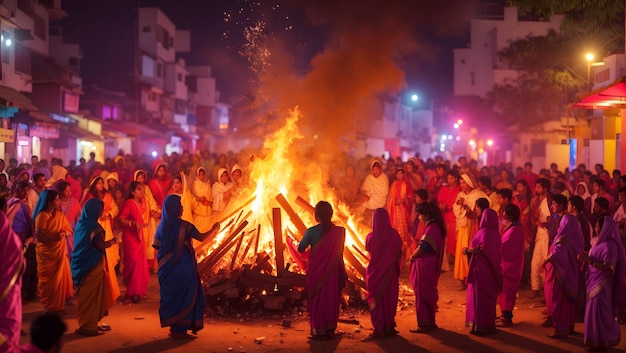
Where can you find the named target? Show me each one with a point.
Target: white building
(476, 68)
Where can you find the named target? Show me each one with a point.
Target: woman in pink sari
(399, 204)
(562, 275)
(135, 272)
(383, 274)
(512, 263)
(484, 279)
(325, 273)
(606, 292)
(11, 268)
(426, 266)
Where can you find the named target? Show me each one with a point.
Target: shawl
(85, 255)
(170, 221)
(202, 188)
(586, 194)
(488, 240)
(41, 204)
(111, 176)
(376, 189)
(568, 243)
(159, 187)
(218, 191)
(58, 174)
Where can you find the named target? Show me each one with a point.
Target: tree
(551, 72)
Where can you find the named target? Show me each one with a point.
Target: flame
(273, 172)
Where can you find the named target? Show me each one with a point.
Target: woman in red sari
(445, 200)
(135, 272)
(426, 266)
(325, 273)
(383, 274)
(399, 203)
(159, 184)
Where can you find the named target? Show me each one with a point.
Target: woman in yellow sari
(53, 266)
(97, 190)
(89, 269)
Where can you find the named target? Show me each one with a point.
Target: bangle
(130, 223)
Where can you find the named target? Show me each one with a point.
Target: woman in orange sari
(399, 203)
(53, 266)
(97, 190)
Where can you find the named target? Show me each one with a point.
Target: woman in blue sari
(182, 299)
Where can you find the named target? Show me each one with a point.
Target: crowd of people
(68, 231)
(545, 230)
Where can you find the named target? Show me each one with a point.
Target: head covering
(58, 173)
(41, 203)
(235, 167)
(381, 221)
(139, 171)
(586, 194)
(609, 236)
(201, 188)
(169, 226)
(85, 256)
(468, 180)
(219, 175)
(380, 164)
(118, 158)
(489, 219)
(94, 180)
(112, 176)
(156, 167)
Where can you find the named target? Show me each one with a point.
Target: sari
(71, 210)
(187, 201)
(383, 273)
(606, 290)
(218, 190)
(202, 211)
(562, 274)
(53, 265)
(90, 271)
(159, 187)
(424, 275)
(325, 279)
(512, 265)
(11, 268)
(111, 211)
(484, 279)
(464, 230)
(400, 213)
(135, 271)
(447, 195)
(182, 299)
(150, 230)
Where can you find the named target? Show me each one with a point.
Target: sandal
(86, 332)
(180, 335)
(104, 327)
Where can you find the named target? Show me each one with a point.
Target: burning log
(234, 259)
(305, 205)
(245, 252)
(365, 257)
(208, 262)
(293, 216)
(258, 235)
(279, 245)
(249, 201)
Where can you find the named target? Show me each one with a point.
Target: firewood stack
(231, 274)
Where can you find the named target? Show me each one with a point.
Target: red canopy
(606, 97)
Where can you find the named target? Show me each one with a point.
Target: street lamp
(414, 97)
(589, 58)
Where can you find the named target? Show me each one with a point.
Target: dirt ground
(136, 328)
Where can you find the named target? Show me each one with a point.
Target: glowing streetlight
(472, 143)
(589, 58)
(415, 97)
(460, 122)
(490, 142)
(456, 126)
(154, 154)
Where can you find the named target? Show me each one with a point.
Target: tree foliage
(551, 69)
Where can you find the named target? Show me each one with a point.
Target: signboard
(7, 135)
(70, 102)
(44, 131)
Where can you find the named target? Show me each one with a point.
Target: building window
(180, 77)
(22, 59)
(180, 107)
(5, 49)
(41, 28)
(192, 83)
(159, 70)
(73, 61)
(146, 29)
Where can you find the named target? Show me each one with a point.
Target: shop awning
(33, 117)
(9, 95)
(73, 132)
(604, 98)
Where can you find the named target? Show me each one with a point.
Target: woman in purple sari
(326, 273)
(484, 279)
(512, 263)
(383, 274)
(562, 275)
(182, 298)
(426, 266)
(606, 292)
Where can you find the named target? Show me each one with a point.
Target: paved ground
(135, 328)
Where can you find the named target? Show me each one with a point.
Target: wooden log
(245, 252)
(363, 255)
(353, 261)
(274, 302)
(263, 281)
(261, 262)
(279, 244)
(292, 279)
(210, 260)
(220, 288)
(258, 236)
(305, 205)
(234, 257)
(357, 281)
(293, 216)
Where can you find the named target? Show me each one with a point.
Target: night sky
(104, 30)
